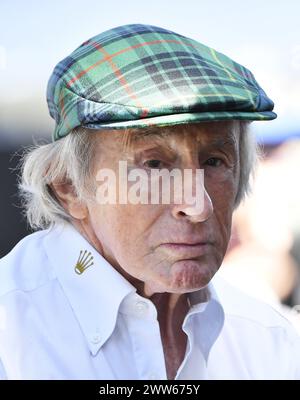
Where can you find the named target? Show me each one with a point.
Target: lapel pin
(85, 260)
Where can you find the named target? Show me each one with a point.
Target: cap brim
(184, 118)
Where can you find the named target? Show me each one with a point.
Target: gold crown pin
(85, 260)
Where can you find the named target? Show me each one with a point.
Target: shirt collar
(96, 294)
(208, 317)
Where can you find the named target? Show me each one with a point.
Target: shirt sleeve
(2, 372)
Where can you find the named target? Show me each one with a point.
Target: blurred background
(264, 253)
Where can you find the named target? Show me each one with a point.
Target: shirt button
(96, 338)
(141, 307)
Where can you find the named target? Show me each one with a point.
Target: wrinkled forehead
(118, 143)
(205, 133)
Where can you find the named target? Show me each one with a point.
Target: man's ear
(67, 197)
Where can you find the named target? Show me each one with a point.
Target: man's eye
(153, 164)
(214, 162)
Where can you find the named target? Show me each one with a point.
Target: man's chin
(183, 276)
(191, 275)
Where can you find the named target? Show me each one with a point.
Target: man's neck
(172, 309)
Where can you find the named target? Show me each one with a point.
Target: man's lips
(186, 250)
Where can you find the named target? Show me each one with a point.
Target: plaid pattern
(140, 75)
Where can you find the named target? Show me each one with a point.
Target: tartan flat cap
(135, 76)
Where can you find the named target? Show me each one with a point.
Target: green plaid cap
(136, 76)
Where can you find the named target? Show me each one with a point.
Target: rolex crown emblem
(85, 260)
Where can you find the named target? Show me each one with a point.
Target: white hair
(70, 160)
(67, 160)
(249, 155)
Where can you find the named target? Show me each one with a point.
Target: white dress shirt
(59, 324)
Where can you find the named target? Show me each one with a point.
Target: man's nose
(195, 209)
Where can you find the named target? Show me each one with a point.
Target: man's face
(170, 247)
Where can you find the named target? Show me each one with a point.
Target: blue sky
(35, 35)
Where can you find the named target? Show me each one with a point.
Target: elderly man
(118, 283)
